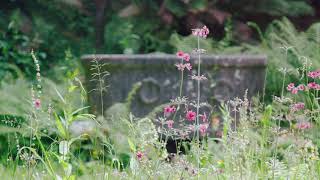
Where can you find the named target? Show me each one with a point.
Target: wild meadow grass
(247, 140)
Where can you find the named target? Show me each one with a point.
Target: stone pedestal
(228, 77)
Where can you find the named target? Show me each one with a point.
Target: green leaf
(72, 177)
(267, 116)
(80, 109)
(132, 146)
(72, 88)
(176, 7)
(60, 96)
(199, 4)
(60, 126)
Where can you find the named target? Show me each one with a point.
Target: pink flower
(290, 86)
(203, 117)
(294, 91)
(301, 87)
(180, 54)
(139, 155)
(168, 110)
(196, 32)
(173, 109)
(191, 116)
(198, 78)
(203, 129)
(180, 66)
(170, 123)
(297, 106)
(314, 74)
(303, 125)
(37, 103)
(188, 66)
(186, 57)
(313, 85)
(203, 32)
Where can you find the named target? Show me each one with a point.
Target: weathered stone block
(228, 76)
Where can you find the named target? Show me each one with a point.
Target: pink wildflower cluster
(190, 115)
(139, 155)
(314, 85)
(203, 129)
(303, 125)
(183, 55)
(314, 74)
(170, 123)
(294, 90)
(298, 106)
(186, 57)
(168, 110)
(182, 66)
(198, 78)
(201, 32)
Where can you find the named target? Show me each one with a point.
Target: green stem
(45, 155)
(283, 81)
(198, 103)
(180, 92)
(181, 85)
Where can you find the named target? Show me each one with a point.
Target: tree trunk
(101, 6)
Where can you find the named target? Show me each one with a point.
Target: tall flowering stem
(34, 119)
(199, 33)
(35, 94)
(99, 76)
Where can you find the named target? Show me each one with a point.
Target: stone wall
(228, 76)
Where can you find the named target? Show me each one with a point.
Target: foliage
(128, 36)
(51, 26)
(296, 49)
(15, 48)
(274, 7)
(20, 33)
(284, 45)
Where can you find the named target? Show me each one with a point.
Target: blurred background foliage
(60, 31)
